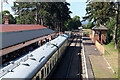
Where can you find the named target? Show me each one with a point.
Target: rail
(71, 59)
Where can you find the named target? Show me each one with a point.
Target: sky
(76, 6)
(78, 9)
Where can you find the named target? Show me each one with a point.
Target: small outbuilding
(99, 33)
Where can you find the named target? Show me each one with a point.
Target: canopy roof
(11, 28)
(12, 35)
(101, 27)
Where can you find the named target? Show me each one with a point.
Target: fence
(100, 47)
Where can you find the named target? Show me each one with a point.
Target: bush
(90, 25)
(110, 26)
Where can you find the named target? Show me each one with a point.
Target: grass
(110, 47)
(112, 57)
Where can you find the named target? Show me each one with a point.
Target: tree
(99, 12)
(12, 20)
(118, 38)
(110, 31)
(90, 25)
(52, 15)
(73, 23)
(116, 24)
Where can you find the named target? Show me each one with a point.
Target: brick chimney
(6, 17)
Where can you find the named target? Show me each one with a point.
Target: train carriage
(39, 63)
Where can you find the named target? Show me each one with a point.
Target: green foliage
(90, 25)
(118, 35)
(99, 12)
(118, 44)
(118, 38)
(73, 23)
(52, 15)
(12, 20)
(110, 31)
(110, 46)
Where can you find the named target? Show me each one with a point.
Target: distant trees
(73, 23)
(12, 20)
(90, 25)
(52, 15)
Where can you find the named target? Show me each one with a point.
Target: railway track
(74, 65)
(70, 65)
(71, 60)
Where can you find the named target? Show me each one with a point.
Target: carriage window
(37, 78)
(47, 68)
(50, 65)
(45, 71)
(42, 73)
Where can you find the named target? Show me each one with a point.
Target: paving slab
(100, 68)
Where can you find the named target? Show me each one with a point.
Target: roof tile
(11, 28)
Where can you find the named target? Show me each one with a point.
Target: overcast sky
(76, 6)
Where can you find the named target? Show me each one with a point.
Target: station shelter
(99, 33)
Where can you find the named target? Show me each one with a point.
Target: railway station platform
(97, 66)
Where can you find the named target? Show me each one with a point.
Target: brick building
(99, 33)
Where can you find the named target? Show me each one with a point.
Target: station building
(18, 40)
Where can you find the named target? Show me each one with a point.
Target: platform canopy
(15, 34)
(11, 27)
(99, 28)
